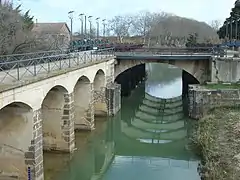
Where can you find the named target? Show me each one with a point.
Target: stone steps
(145, 125)
(162, 105)
(139, 134)
(151, 117)
(159, 112)
(162, 100)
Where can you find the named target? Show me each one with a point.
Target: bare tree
(15, 32)
(215, 24)
(141, 24)
(120, 26)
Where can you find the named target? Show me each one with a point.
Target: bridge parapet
(169, 51)
(20, 67)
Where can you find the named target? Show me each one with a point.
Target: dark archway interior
(130, 78)
(187, 79)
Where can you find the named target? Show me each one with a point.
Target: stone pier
(34, 155)
(113, 95)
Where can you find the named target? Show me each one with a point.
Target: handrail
(16, 69)
(7, 146)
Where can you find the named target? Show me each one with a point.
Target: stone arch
(83, 96)
(57, 115)
(197, 69)
(99, 84)
(99, 80)
(16, 134)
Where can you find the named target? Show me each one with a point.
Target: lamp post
(90, 26)
(97, 21)
(104, 27)
(81, 19)
(70, 15)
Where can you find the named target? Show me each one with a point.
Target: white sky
(56, 10)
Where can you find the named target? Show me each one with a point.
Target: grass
(217, 141)
(222, 86)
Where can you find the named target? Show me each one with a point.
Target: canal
(147, 139)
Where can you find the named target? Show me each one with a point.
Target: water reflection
(151, 142)
(146, 140)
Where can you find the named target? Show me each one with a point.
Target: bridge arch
(198, 69)
(82, 101)
(16, 134)
(99, 80)
(99, 85)
(52, 109)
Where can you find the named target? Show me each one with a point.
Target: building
(54, 35)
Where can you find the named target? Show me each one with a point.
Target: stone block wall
(34, 156)
(225, 69)
(113, 96)
(100, 102)
(201, 99)
(67, 125)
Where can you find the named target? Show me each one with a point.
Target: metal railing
(18, 67)
(10, 150)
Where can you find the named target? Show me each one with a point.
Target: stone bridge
(43, 100)
(199, 69)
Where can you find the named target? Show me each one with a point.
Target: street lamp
(70, 15)
(81, 19)
(104, 27)
(97, 21)
(90, 25)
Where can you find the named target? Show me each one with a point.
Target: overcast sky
(56, 10)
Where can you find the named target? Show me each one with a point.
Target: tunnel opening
(16, 133)
(100, 105)
(82, 100)
(52, 116)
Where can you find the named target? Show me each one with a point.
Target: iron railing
(22, 66)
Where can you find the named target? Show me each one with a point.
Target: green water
(146, 140)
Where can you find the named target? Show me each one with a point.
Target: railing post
(48, 63)
(18, 71)
(60, 64)
(84, 57)
(34, 67)
(91, 56)
(69, 61)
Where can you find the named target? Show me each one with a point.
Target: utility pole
(81, 19)
(90, 26)
(104, 27)
(97, 21)
(70, 15)
(85, 34)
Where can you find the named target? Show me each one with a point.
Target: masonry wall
(113, 95)
(225, 69)
(201, 100)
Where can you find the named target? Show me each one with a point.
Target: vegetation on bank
(222, 86)
(217, 140)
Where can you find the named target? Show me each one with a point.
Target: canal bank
(216, 106)
(147, 139)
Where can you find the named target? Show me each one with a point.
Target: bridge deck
(164, 57)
